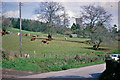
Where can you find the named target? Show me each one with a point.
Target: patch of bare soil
(7, 73)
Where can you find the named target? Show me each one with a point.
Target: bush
(55, 68)
(5, 55)
(77, 57)
(65, 67)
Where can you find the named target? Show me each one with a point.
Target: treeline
(35, 26)
(29, 25)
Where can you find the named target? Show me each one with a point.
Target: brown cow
(45, 42)
(25, 35)
(3, 33)
(48, 39)
(32, 39)
(34, 36)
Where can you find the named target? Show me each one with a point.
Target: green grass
(57, 36)
(48, 57)
(61, 37)
(15, 30)
(54, 47)
(44, 65)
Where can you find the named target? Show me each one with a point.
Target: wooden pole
(20, 31)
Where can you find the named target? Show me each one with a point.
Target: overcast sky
(11, 8)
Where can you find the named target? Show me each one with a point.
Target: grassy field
(14, 30)
(59, 54)
(38, 49)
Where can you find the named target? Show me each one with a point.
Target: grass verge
(45, 65)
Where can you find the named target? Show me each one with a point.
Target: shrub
(77, 57)
(5, 55)
(65, 67)
(55, 68)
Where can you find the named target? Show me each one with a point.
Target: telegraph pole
(20, 31)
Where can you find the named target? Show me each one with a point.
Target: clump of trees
(76, 29)
(29, 25)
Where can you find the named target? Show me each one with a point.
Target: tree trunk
(98, 45)
(83, 34)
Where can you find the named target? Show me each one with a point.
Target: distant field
(14, 30)
(57, 36)
(61, 37)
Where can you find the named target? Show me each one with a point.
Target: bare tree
(100, 35)
(49, 12)
(95, 20)
(92, 14)
(64, 21)
(6, 23)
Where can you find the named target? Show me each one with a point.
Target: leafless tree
(5, 20)
(92, 14)
(6, 23)
(96, 20)
(64, 21)
(102, 35)
(49, 12)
